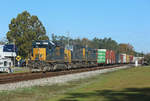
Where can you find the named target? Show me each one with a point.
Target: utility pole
(14, 52)
(68, 38)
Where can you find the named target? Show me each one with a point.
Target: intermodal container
(131, 58)
(127, 59)
(117, 58)
(123, 58)
(108, 58)
(101, 56)
(113, 57)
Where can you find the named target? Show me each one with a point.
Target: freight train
(46, 56)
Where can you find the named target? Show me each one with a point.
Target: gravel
(56, 80)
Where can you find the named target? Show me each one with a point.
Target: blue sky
(126, 21)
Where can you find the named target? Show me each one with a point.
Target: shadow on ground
(129, 94)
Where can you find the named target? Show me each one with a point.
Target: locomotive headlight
(38, 43)
(45, 43)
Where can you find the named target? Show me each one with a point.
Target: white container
(136, 63)
(124, 58)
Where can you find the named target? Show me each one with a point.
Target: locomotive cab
(47, 50)
(40, 49)
(48, 56)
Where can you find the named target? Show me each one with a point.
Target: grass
(21, 70)
(122, 85)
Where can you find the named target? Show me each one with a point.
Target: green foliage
(3, 41)
(147, 58)
(96, 43)
(23, 30)
(108, 43)
(127, 48)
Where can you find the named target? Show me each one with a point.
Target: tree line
(96, 43)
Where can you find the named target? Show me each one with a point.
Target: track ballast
(13, 78)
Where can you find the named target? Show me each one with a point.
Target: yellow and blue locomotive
(46, 56)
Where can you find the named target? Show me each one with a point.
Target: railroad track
(12, 78)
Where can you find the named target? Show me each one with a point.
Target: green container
(101, 56)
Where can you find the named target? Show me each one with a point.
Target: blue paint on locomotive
(49, 45)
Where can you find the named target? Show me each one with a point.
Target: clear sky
(126, 21)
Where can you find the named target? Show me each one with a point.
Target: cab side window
(5, 63)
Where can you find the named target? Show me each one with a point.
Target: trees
(96, 43)
(108, 43)
(60, 40)
(147, 58)
(23, 30)
(126, 48)
(3, 41)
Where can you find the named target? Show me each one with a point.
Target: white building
(6, 58)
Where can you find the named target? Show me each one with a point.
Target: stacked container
(108, 58)
(101, 56)
(114, 57)
(131, 58)
(127, 58)
(117, 58)
(123, 58)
